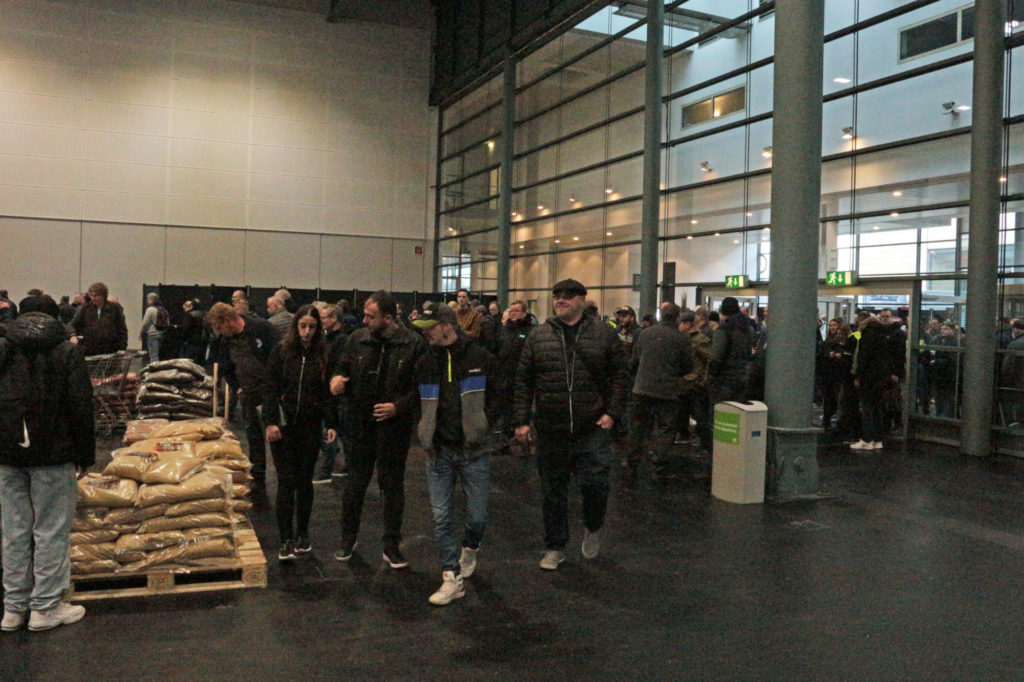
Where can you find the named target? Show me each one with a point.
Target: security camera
(948, 106)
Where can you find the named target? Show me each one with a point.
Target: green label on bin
(727, 427)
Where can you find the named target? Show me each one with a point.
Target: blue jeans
(559, 456)
(450, 464)
(36, 506)
(153, 342)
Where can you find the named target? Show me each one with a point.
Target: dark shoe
(346, 551)
(302, 545)
(287, 551)
(394, 557)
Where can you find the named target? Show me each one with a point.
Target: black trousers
(386, 448)
(295, 457)
(257, 441)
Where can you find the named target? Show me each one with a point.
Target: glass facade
(896, 104)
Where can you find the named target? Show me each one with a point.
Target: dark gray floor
(911, 571)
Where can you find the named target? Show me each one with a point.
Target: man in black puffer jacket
(46, 435)
(574, 368)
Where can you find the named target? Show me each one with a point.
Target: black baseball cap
(569, 286)
(626, 309)
(435, 313)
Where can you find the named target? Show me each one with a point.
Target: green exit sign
(737, 281)
(840, 278)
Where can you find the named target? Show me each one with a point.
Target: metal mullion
(885, 212)
(559, 214)
(471, 118)
(878, 19)
(469, 205)
(590, 247)
(897, 144)
(460, 235)
(580, 171)
(582, 131)
(583, 93)
(463, 178)
(753, 66)
(581, 56)
(463, 150)
(704, 37)
(717, 181)
(668, 144)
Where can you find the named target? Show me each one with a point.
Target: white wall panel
(408, 268)
(41, 201)
(122, 207)
(288, 217)
(125, 177)
(40, 171)
(42, 79)
(54, 268)
(124, 257)
(205, 212)
(202, 182)
(220, 97)
(101, 146)
(286, 188)
(128, 59)
(287, 161)
(355, 262)
(39, 110)
(116, 87)
(203, 154)
(206, 125)
(273, 258)
(280, 132)
(125, 118)
(40, 141)
(40, 48)
(202, 256)
(211, 68)
(212, 39)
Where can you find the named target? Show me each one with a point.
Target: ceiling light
(689, 236)
(609, 234)
(717, 234)
(572, 200)
(1002, 178)
(705, 167)
(735, 241)
(766, 229)
(575, 239)
(558, 241)
(841, 80)
(608, 190)
(693, 222)
(848, 133)
(897, 193)
(894, 214)
(521, 246)
(954, 109)
(540, 207)
(490, 145)
(750, 215)
(767, 152)
(963, 107)
(875, 227)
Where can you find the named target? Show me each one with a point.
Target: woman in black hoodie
(297, 402)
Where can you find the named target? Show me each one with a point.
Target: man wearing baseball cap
(457, 401)
(574, 368)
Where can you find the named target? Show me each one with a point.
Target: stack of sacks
(170, 499)
(174, 389)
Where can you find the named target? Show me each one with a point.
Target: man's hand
(384, 411)
(338, 385)
(80, 472)
(523, 433)
(273, 434)
(606, 421)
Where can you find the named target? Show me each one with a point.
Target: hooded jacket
(46, 416)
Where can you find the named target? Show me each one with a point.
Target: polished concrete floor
(911, 570)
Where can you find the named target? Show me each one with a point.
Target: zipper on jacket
(298, 401)
(570, 372)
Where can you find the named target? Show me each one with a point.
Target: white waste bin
(738, 465)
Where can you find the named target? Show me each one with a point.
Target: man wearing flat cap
(573, 368)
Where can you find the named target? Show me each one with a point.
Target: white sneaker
(12, 621)
(877, 445)
(551, 559)
(62, 614)
(862, 445)
(452, 588)
(467, 562)
(591, 543)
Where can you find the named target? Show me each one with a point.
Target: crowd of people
(335, 396)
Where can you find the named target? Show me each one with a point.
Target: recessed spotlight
(767, 152)
(848, 133)
(521, 246)
(572, 200)
(897, 193)
(689, 236)
(608, 234)
(767, 229)
(875, 227)
(717, 234)
(490, 145)
(608, 190)
(693, 222)
(750, 215)
(704, 167)
(1002, 178)
(735, 241)
(558, 241)
(575, 239)
(894, 214)
(841, 80)
(540, 207)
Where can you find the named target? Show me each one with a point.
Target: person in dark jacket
(833, 368)
(574, 368)
(732, 345)
(100, 323)
(244, 345)
(297, 403)
(192, 328)
(872, 371)
(457, 402)
(46, 436)
(376, 371)
(516, 329)
(662, 356)
(334, 338)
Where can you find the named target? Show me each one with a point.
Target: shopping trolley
(112, 408)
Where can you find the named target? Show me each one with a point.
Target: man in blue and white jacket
(457, 397)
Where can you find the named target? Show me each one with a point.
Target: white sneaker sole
(449, 600)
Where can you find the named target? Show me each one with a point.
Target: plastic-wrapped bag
(213, 504)
(170, 376)
(149, 541)
(169, 444)
(171, 467)
(199, 486)
(162, 523)
(139, 429)
(89, 518)
(191, 428)
(92, 537)
(181, 364)
(90, 567)
(240, 506)
(105, 551)
(128, 464)
(134, 515)
(219, 547)
(96, 490)
(220, 449)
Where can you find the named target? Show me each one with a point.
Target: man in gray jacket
(662, 356)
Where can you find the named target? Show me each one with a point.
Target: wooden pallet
(250, 571)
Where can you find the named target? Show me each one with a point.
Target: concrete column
(983, 253)
(651, 215)
(508, 125)
(796, 203)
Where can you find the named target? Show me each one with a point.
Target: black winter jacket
(55, 400)
(662, 356)
(572, 386)
(368, 356)
(101, 331)
(298, 388)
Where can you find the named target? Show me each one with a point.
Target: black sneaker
(346, 551)
(302, 545)
(287, 551)
(394, 557)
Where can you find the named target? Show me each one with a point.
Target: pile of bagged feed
(173, 495)
(174, 389)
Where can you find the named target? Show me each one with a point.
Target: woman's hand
(273, 434)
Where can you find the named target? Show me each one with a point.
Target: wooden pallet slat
(249, 571)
